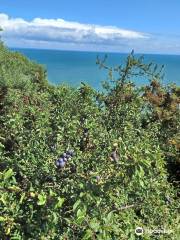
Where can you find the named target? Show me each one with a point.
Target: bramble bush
(83, 164)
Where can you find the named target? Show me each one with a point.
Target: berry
(65, 159)
(57, 163)
(68, 155)
(62, 164)
(70, 152)
(61, 159)
(64, 155)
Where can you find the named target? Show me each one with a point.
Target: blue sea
(73, 67)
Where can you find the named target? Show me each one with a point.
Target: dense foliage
(117, 150)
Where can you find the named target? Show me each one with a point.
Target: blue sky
(148, 26)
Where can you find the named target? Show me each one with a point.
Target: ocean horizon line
(93, 51)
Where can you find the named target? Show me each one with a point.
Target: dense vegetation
(118, 150)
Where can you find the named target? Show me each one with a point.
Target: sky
(147, 26)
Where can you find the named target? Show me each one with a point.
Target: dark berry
(61, 159)
(64, 155)
(62, 164)
(57, 163)
(70, 152)
(68, 156)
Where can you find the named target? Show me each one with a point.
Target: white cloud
(61, 31)
(67, 35)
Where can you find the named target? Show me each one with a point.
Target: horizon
(118, 26)
(86, 51)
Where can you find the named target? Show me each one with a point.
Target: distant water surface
(74, 67)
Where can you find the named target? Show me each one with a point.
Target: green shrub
(117, 179)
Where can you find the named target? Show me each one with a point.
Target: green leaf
(59, 203)
(80, 213)
(88, 235)
(3, 199)
(22, 198)
(8, 174)
(80, 216)
(77, 203)
(94, 225)
(1, 145)
(2, 219)
(41, 199)
(109, 217)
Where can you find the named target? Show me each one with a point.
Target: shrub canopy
(120, 174)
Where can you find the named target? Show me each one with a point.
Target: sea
(74, 67)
